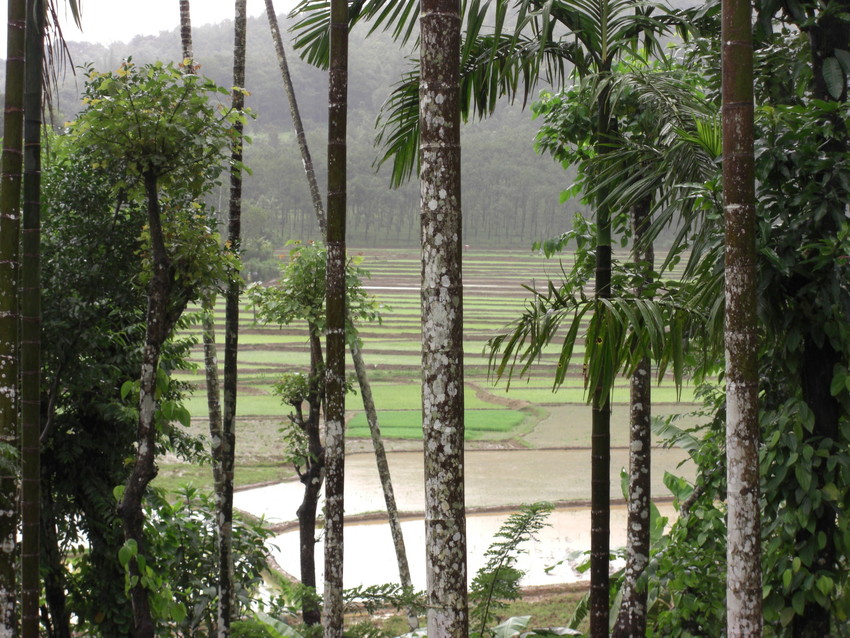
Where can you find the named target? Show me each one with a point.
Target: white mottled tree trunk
(442, 319)
(743, 550)
(631, 619)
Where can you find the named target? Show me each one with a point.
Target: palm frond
(617, 332)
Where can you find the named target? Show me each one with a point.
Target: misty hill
(510, 194)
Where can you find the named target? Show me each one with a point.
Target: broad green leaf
(511, 627)
(128, 550)
(843, 58)
(787, 575)
(275, 627)
(178, 612)
(833, 76)
(825, 584)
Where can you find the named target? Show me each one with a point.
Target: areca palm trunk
(31, 328)
(10, 197)
(186, 29)
(743, 550)
(208, 305)
(231, 339)
(354, 348)
(383, 474)
(600, 482)
(332, 619)
(295, 114)
(631, 620)
(442, 318)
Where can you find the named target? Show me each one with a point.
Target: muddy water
(495, 479)
(550, 560)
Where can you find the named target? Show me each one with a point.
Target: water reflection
(551, 560)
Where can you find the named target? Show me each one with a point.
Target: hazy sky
(106, 21)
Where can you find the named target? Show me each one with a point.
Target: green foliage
(183, 563)
(616, 340)
(155, 120)
(299, 294)
(292, 388)
(497, 581)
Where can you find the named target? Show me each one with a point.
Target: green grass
(175, 475)
(392, 349)
(407, 424)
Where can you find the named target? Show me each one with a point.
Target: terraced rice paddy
(494, 295)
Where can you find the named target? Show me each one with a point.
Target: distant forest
(510, 194)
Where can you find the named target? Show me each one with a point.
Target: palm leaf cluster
(508, 49)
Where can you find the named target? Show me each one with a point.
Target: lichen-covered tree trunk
(743, 551)
(295, 114)
(442, 318)
(600, 451)
(356, 353)
(332, 619)
(213, 391)
(10, 209)
(631, 620)
(31, 328)
(224, 499)
(158, 326)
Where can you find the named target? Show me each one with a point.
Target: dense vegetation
(132, 204)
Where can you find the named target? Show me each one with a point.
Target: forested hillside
(510, 194)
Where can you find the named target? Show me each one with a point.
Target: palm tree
(31, 327)
(442, 318)
(231, 336)
(743, 536)
(353, 342)
(186, 29)
(509, 62)
(10, 196)
(295, 113)
(332, 618)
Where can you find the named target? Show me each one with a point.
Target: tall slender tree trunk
(600, 481)
(158, 327)
(383, 474)
(10, 208)
(213, 391)
(213, 387)
(442, 318)
(31, 328)
(743, 551)
(186, 30)
(631, 620)
(54, 575)
(231, 339)
(295, 114)
(332, 620)
(312, 478)
(356, 353)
